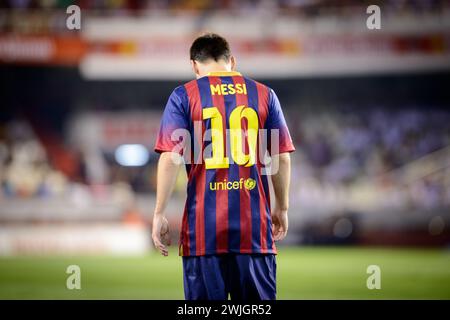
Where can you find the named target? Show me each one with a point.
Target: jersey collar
(224, 73)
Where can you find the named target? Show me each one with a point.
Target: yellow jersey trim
(224, 73)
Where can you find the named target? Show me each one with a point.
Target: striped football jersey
(223, 124)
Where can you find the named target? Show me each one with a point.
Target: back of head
(210, 46)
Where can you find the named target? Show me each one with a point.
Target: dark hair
(210, 46)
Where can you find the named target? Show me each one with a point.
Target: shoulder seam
(183, 97)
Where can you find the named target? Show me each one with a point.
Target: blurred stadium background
(369, 111)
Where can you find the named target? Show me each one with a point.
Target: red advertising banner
(63, 50)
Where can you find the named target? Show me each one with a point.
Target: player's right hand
(161, 234)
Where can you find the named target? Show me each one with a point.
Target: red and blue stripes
(222, 208)
(262, 236)
(225, 220)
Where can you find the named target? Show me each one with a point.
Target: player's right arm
(168, 143)
(166, 179)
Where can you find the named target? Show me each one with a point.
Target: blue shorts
(244, 277)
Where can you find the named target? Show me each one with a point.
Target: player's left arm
(281, 181)
(281, 163)
(168, 167)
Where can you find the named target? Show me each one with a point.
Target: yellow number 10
(218, 159)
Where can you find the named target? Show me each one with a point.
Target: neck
(213, 67)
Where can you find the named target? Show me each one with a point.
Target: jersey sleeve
(276, 121)
(174, 124)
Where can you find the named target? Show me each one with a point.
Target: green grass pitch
(303, 273)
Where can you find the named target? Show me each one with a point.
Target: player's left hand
(161, 234)
(280, 223)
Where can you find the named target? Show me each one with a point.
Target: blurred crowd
(36, 167)
(379, 147)
(49, 16)
(308, 7)
(25, 170)
(344, 146)
(398, 150)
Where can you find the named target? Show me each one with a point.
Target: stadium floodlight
(132, 155)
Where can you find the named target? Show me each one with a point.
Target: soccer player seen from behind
(224, 126)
